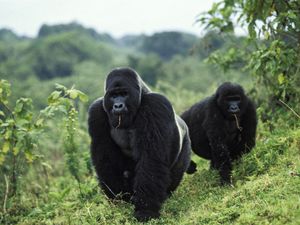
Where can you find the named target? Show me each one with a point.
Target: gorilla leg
(180, 166)
(192, 168)
(115, 172)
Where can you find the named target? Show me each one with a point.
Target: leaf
(54, 96)
(8, 134)
(39, 122)
(19, 106)
(16, 150)
(2, 113)
(83, 97)
(73, 93)
(29, 156)
(48, 166)
(63, 109)
(5, 147)
(60, 87)
(281, 78)
(2, 158)
(267, 35)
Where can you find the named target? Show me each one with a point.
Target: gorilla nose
(233, 108)
(118, 107)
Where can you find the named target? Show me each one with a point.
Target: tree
(168, 44)
(149, 67)
(21, 128)
(274, 29)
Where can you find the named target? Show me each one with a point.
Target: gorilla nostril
(118, 106)
(233, 108)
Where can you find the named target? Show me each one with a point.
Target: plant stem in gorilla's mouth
(237, 123)
(119, 124)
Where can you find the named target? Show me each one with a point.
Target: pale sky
(116, 17)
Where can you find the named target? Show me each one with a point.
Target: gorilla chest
(231, 130)
(124, 139)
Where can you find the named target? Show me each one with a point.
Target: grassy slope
(265, 192)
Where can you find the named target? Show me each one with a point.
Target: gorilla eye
(123, 93)
(118, 94)
(233, 98)
(114, 95)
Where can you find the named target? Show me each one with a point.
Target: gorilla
(139, 147)
(222, 128)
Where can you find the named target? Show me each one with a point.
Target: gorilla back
(139, 147)
(222, 128)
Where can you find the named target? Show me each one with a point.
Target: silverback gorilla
(139, 147)
(222, 128)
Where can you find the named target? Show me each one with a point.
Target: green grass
(266, 191)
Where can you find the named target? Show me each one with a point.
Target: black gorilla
(222, 128)
(140, 148)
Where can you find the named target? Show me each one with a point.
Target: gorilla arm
(249, 123)
(214, 125)
(154, 124)
(106, 156)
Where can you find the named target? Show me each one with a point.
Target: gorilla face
(231, 100)
(122, 98)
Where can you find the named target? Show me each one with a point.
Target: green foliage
(266, 184)
(64, 97)
(57, 55)
(190, 74)
(149, 67)
(20, 131)
(274, 61)
(8, 36)
(132, 41)
(168, 44)
(47, 30)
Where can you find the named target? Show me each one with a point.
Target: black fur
(214, 131)
(143, 158)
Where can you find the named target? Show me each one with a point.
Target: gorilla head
(122, 99)
(231, 100)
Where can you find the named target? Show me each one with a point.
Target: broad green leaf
(19, 106)
(54, 96)
(8, 134)
(63, 109)
(5, 147)
(16, 150)
(29, 156)
(73, 93)
(60, 87)
(39, 122)
(83, 97)
(281, 78)
(2, 113)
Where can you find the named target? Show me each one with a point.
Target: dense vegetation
(45, 171)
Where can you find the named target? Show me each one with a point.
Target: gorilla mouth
(237, 122)
(119, 121)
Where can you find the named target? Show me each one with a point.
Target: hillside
(266, 191)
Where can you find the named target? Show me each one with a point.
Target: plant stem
(286, 105)
(6, 193)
